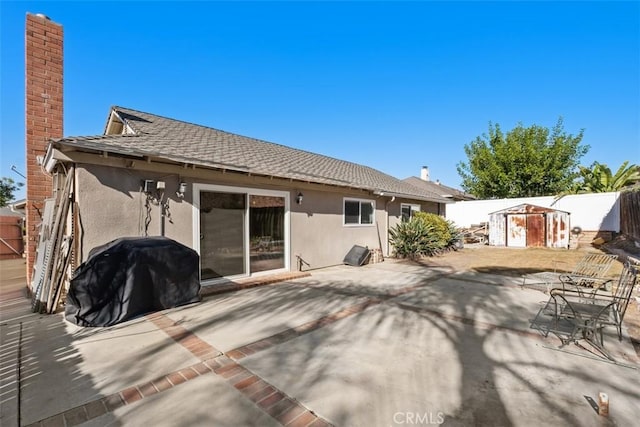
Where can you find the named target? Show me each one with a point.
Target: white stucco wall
(591, 212)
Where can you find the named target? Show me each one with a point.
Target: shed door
(517, 230)
(535, 230)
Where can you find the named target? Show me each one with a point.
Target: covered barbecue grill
(131, 276)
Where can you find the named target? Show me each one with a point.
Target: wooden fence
(630, 213)
(11, 244)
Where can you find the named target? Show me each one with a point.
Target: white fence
(591, 212)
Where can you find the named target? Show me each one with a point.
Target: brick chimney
(43, 116)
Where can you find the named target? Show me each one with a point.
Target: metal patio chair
(589, 272)
(588, 314)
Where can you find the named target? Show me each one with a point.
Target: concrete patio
(387, 344)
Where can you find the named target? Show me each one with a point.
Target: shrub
(439, 225)
(425, 234)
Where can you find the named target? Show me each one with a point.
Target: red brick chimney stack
(43, 116)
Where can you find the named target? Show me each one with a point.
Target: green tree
(598, 178)
(7, 188)
(527, 161)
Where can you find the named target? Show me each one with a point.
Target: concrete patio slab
(387, 344)
(204, 401)
(64, 366)
(374, 280)
(137, 344)
(502, 306)
(393, 364)
(232, 320)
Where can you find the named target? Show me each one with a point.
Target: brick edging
(267, 397)
(251, 283)
(283, 408)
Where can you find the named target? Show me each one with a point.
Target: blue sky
(392, 85)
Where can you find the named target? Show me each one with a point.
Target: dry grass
(519, 261)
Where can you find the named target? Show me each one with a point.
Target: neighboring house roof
(439, 189)
(18, 205)
(148, 135)
(7, 211)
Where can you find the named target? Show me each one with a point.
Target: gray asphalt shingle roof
(440, 190)
(179, 141)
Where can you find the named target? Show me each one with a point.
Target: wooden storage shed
(528, 225)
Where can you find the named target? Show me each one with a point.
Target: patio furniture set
(582, 303)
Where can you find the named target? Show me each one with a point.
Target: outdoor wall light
(147, 185)
(182, 188)
(299, 198)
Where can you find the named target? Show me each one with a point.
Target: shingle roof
(179, 141)
(440, 190)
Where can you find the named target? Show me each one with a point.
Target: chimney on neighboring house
(424, 173)
(43, 116)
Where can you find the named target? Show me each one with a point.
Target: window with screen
(407, 211)
(359, 212)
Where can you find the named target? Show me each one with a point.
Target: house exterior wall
(395, 216)
(112, 205)
(318, 235)
(394, 209)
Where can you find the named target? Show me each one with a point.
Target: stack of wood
(53, 266)
(477, 233)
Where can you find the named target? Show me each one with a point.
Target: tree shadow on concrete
(39, 370)
(335, 369)
(425, 344)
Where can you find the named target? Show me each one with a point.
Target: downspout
(386, 212)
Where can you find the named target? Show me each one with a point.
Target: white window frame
(413, 207)
(359, 224)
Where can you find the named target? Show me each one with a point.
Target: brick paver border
(284, 409)
(289, 334)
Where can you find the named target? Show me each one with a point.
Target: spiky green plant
(424, 235)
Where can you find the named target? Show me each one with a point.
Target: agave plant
(425, 234)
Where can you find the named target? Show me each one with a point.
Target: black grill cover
(132, 276)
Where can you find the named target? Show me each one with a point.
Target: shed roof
(149, 135)
(526, 208)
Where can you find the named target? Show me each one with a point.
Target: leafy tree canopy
(598, 178)
(7, 187)
(527, 161)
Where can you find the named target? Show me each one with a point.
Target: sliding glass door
(222, 230)
(266, 233)
(240, 231)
